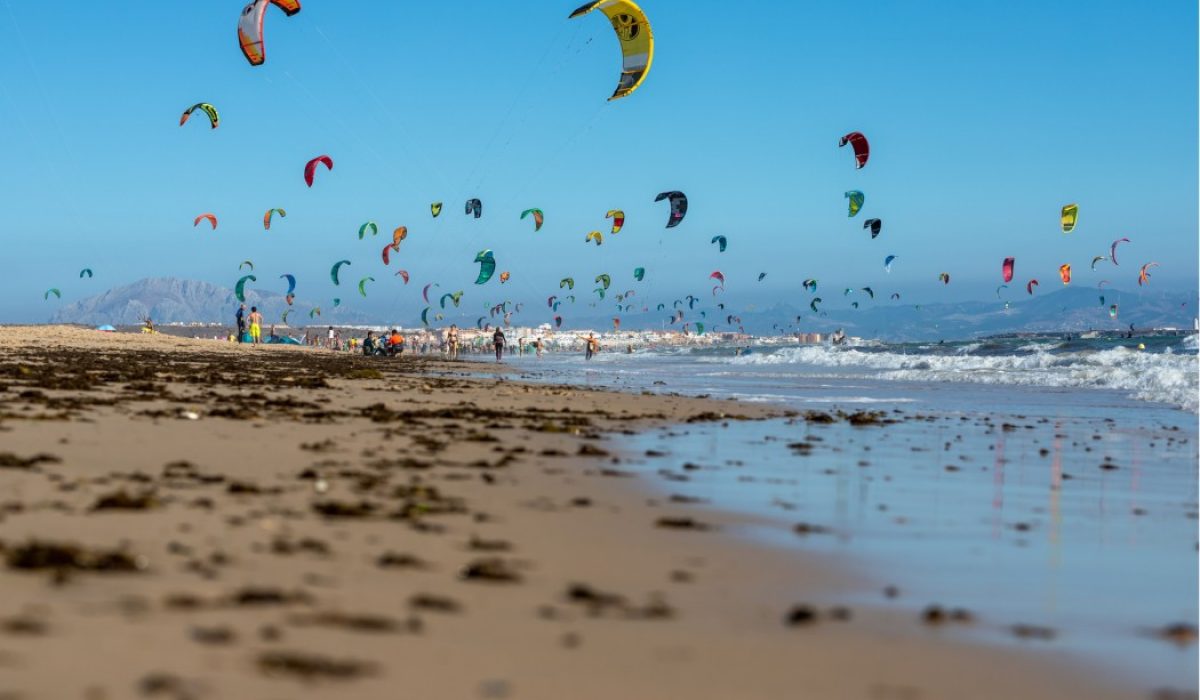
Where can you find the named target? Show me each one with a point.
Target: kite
(600, 291)
(1097, 259)
(870, 292)
(720, 241)
(1112, 311)
(813, 304)
(337, 302)
(1144, 275)
(85, 271)
(487, 266)
(310, 168)
(699, 328)
(854, 304)
(283, 317)
(639, 273)
(550, 301)
(895, 296)
(1113, 250)
(718, 277)
(1029, 287)
(558, 321)
(887, 263)
(52, 290)
(1003, 286)
(474, 206)
(862, 149)
(210, 218)
(603, 280)
(1102, 283)
(425, 291)
(1006, 269)
(454, 297)
(239, 289)
(810, 284)
(425, 316)
(316, 311)
(246, 263)
(594, 236)
(762, 276)
(637, 41)
(1064, 271)
(270, 213)
(386, 253)
(362, 230)
(679, 206)
(505, 276)
(856, 201)
(944, 277)
(876, 225)
(435, 209)
(362, 285)
(1070, 215)
(568, 282)
(250, 27)
(618, 218)
(333, 271)
(213, 117)
(538, 218)
(398, 235)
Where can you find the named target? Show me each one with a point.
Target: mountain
(171, 300)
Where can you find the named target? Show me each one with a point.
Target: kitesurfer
(241, 322)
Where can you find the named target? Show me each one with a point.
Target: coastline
(307, 467)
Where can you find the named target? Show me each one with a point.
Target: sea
(1041, 484)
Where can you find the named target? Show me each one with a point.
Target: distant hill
(170, 300)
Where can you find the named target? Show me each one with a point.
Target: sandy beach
(194, 519)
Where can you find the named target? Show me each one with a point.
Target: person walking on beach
(537, 346)
(498, 340)
(452, 341)
(256, 320)
(592, 347)
(332, 337)
(241, 322)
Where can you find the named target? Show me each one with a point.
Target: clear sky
(984, 119)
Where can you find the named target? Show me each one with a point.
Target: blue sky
(984, 119)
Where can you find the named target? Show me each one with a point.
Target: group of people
(254, 319)
(390, 344)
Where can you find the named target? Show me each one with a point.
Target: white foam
(1165, 377)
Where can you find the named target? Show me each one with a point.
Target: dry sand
(193, 519)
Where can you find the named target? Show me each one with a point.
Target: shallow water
(988, 495)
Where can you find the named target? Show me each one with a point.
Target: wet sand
(193, 519)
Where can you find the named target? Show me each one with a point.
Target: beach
(190, 519)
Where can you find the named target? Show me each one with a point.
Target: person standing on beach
(332, 337)
(537, 346)
(591, 347)
(452, 341)
(256, 320)
(241, 322)
(498, 340)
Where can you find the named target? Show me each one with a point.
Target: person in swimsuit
(256, 320)
(452, 341)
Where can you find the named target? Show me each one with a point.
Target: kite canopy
(474, 206)
(402, 274)
(53, 291)
(210, 218)
(362, 285)
(291, 280)
(399, 235)
(637, 41)
(270, 214)
(333, 271)
(618, 218)
(679, 206)
(856, 201)
(386, 253)
(85, 271)
(810, 284)
(721, 242)
(250, 27)
(718, 277)
(435, 209)
(1030, 285)
(1070, 214)
(1144, 274)
(887, 262)
(1064, 271)
(1097, 259)
(603, 280)
(1006, 269)
(875, 225)
(1113, 250)
(762, 276)
(538, 218)
(310, 169)
(639, 273)
(568, 282)
(487, 267)
(944, 278)
(214, 118)
(862, 149)
(362, 230)
(240, 288)
(594, 236)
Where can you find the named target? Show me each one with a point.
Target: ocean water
(1041, 483)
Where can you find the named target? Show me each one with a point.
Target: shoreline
(516, 534)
